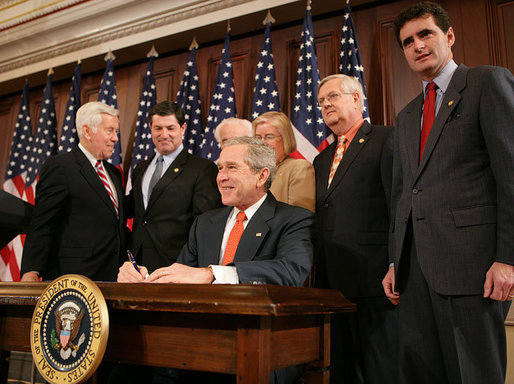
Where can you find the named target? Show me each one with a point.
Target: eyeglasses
(331, 98)
(267, 137)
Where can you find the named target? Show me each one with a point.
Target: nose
(222, 175)
(419, 45)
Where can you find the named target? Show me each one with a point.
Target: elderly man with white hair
(78, 224)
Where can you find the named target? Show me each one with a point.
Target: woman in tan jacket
(294, 181)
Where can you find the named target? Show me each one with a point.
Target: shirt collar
(443, 78)
(92, 159)
(170, 157)
(352, 132)
(249, 212)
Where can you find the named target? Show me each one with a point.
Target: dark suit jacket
(74, 227)
(275, 247)
(187, 189)
(352, 218)
(461, 195)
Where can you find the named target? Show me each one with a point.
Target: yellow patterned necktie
(337, 158)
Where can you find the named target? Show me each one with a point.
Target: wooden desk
(247, 330)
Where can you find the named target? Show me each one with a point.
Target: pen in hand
(133, 261)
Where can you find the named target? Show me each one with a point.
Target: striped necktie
(103, 176)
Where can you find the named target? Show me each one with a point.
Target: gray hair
(245, 124)
(258, 155)
(90, 114)
(349, 84)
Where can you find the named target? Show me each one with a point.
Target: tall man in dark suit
(79, 219)
(274, 242)
(169, 190)
(452, 226)
(353, 185)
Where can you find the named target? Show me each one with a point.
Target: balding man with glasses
(353, 182)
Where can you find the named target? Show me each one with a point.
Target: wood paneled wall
(484, 35)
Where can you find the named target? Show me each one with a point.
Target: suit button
(325, 206)
(414, 191)
(145, 222)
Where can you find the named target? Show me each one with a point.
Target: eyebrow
(408, 39)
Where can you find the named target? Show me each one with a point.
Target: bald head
(231, 128)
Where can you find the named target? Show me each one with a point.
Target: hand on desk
(181, 274)
(30, 276)
(128, 274)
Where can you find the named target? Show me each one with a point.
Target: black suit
(74, 227)
(187, 189)
(351, 253)
(452, 218)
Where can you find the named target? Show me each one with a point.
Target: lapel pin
(450, 103)
(361, 141)
(176, 170)
(258, 234)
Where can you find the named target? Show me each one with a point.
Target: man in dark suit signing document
(451, 235)
(254, 240)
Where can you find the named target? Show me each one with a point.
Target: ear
(87, 131)
(357, 100)
(264, 174)
(450, 35)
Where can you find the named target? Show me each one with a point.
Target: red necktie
(233, 238)
(101, 173)
(428, 117)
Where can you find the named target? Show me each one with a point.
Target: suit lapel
(88, 172)
(137, 185)
(173, 171)
(256, 231)
(359, 141)
(412, 130)
(214, 237)
(451, 99)
(324, 170)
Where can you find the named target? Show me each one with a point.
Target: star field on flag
(69, 136)
(222, 104)
(265, 92)
(188, 98)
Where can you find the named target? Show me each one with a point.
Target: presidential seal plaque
(69, 330)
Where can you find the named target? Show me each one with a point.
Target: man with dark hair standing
(353, 186)
(78, 223)
(169, 190)
(451, 238)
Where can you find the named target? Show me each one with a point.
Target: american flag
(222, 105)
(188, 97)
(350, 63)
(265, 92)
(69, 137)
(143, 145)
(10, 255)
(45, 139)
(108, 96)
(310, 130)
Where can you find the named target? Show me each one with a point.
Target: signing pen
(133, 261)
